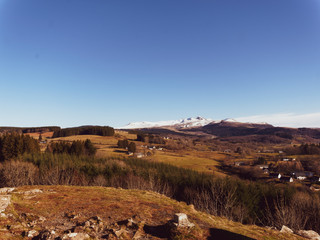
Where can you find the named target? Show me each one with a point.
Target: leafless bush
(99, 181)
(131, 181)
(219, 200)
(49, 176)
(136, 182)
(72, 177)
(160, 187)
(301, 212)
(16, 173)
(58, 176)
(119, 163)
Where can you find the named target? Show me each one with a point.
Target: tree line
(130, 146)
(150, 138)
(75, 148)
(14, 144)
(84, 130)
(304, 149)
(28, 130)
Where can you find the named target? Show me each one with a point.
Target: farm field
(200, 161)
(203, 161)
(199, 156)
(106, 146)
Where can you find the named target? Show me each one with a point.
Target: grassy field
(44, 135)
(199, 158)
(203, 161)
(106, 146)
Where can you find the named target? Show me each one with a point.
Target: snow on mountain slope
(182, 123)
(229, 120)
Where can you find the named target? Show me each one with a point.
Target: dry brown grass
(200, 158)
(44, 135)
(106, 146)
(205, 161)
(118, 204)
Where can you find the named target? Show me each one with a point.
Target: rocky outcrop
(285, 229)
(33, 191)
(5, 198)
(96, 228)
(6, 190)
(181, 220)
(309, 234)
(75, 236)
(4, 202)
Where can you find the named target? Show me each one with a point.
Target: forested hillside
(84, 130)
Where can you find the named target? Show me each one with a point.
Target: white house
(263, 166)
(302, 175)
(139, 155)
(286, 179)
(275, 175)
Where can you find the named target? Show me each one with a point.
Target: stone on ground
(285, 229)
(309, 234)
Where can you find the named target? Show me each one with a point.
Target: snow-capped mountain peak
(182, 123)
(229, 120)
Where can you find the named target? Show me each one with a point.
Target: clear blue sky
(103, 62)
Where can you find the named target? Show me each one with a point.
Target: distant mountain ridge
(190, 123)
(182, 123)
(228, 128)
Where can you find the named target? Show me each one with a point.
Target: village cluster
(271, 174)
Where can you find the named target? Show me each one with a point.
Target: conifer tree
(132, 147)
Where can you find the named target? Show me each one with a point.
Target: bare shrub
(49, 176)
(136, 182)
(99, 181)
(300, 213)
(117, 182)
(72, 177)
(16, 173)
(58, 176)
(219, 199)
(158, 186)
(119, 163)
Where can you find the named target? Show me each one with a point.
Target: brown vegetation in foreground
(62, 207)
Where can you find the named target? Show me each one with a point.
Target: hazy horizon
(278, 120)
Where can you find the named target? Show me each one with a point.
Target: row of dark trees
(84, 130)
(14, 144)
(130, 146)
(304, 149)
(41, 129)
(150, 138)
(29, 130)
(77, 148)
